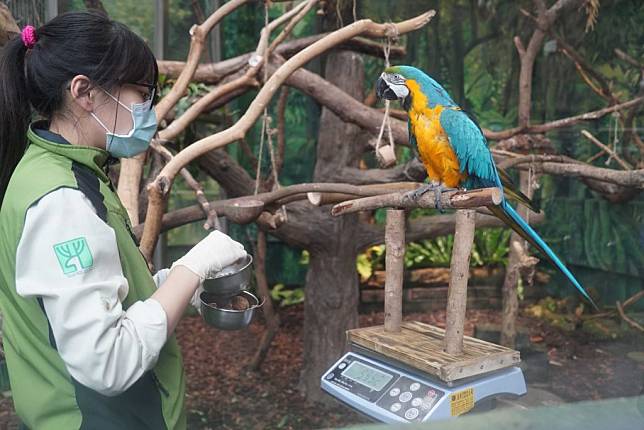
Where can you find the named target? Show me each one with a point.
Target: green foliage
(429, 253)
(490, 248)
(287, 297)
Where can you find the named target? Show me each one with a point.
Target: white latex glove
(215, 252)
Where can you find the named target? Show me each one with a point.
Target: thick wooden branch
(459, 274)
(162, 184)
(394, 261)
(129, 184)
(449, 199)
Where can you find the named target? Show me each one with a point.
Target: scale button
(330, 376)
(417, 402)
(394, 392)
(411, 413)
(428, 402)
(395, 407)
(415, 386)
(431, 393)
(342, 365)
(405, 397)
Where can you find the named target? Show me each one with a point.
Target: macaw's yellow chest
(434, 148)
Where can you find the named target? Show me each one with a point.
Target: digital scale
(410, 371)
(390, 392)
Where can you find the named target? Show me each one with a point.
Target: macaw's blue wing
(475, 159)
(471, 149)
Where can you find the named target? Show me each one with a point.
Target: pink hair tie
(28, 36)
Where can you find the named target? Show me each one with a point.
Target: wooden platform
(420, 346)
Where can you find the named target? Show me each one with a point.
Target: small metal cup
(228, 319)
(236, 278)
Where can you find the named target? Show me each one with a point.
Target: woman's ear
(81, 92)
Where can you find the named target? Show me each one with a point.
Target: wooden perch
(326, 198)
(394, 263)
(449, 200)
(459, 274)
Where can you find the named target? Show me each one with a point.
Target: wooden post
(460, 271)
(394, 264)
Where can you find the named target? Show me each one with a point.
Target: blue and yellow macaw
(454, 150)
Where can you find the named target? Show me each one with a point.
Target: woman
(88, 331)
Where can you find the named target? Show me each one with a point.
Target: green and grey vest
(45, 395)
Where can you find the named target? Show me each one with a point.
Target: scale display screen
(367, 376)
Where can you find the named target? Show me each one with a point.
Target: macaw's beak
(383, 90)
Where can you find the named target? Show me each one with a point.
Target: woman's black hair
(74, 43)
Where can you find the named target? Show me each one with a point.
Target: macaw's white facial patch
(401, 90)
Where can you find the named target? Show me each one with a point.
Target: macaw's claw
(438, 189)
(416, 194)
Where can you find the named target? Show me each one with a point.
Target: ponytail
(15, 110)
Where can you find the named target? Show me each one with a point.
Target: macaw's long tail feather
(508, 215)
(510, 190)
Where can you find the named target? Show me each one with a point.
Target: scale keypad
(409, 399)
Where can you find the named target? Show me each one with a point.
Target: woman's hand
(215, 252)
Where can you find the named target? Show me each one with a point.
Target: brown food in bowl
(238, 303)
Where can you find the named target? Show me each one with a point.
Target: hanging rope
(265, 116)
(386, 120)
(613, 132)
(267, 132)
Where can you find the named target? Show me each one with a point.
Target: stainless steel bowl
(233, 279)
(228, 319)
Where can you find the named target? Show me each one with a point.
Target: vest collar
(95, 159)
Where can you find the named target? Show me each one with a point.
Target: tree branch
(198, 35)
(607, 149)
(212, 73)
(564, 122)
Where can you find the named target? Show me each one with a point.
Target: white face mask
(144, 122)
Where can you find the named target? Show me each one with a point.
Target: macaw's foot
(438, 190)
(416, 194)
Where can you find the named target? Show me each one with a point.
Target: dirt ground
(221, 394)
